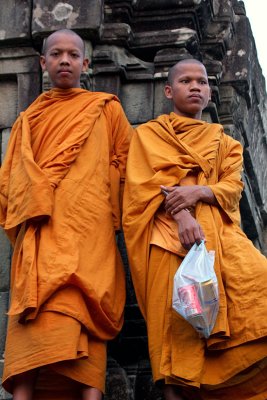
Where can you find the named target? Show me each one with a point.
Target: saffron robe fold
(163, 152)
(60, 188)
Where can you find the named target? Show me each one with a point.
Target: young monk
(199, 167)
(60, 188)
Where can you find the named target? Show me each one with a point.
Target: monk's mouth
(195, 96)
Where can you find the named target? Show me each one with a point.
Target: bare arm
(189, 230)
(181, 197)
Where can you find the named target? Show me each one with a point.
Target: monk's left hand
(180, 197)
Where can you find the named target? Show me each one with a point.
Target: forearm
(206, 195)
(181, 197)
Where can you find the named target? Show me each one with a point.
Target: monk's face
(189, 90)
(64, 60)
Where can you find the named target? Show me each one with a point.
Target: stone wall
(131, 44)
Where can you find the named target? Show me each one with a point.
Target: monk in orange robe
(60, 196)
(198, 167)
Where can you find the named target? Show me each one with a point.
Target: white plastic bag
(195, 290)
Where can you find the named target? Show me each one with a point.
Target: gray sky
(256, 12)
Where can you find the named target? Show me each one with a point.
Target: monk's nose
(64, 59)
(194, 86)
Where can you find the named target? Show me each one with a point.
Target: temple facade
(131, 45)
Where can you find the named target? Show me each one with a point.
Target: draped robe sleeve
(229, 186)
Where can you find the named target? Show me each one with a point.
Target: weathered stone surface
(164, 4)
(5, 251)
(144, 386)
(243, 73)
(114, 65)
(5, 137)
(250, 220)
(117, 382)
(4, 299)
(20, 82)
(8, 100)
(3, 394)
(137, 98)
(118, 11)
(17, 31)
(51, 15)
(181, 37)
(117, 33)
(14, 60)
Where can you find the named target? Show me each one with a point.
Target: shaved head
(64, 59)
(47, 41)
(188, 88)
(174, 69)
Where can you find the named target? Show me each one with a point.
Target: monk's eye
(203, 82)
(75, 55)
(54, 53)
(184, 81)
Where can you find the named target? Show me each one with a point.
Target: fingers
(175, 208)
(188, 239)
(179, 197)
(175, 201)
(174, 204)
(191, 235)
(168, 188)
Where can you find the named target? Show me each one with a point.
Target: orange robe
(164, 152)
(59, 204)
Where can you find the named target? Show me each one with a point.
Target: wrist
(181, 214)
(201, 193)
(206, 195)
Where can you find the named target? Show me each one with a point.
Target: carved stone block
(137, 99)
(15, 21)
(8, 101)
(49, 16)
(19, 82)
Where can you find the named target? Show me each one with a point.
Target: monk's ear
(168, 91)
(42, 63)
(85, 64)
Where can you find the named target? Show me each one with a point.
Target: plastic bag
(195, 290)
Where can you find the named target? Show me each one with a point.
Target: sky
(256, 11)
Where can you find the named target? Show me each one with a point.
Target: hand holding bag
(195, 290)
